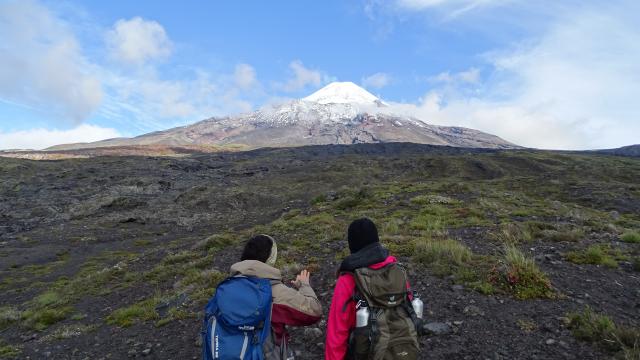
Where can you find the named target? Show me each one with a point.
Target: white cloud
(137, 41)
(377, 80)
(245, 76)
(155, 103)
(452, 8)
(520, 125)
(302, 77)
(42, 138)
(575, 87)
(471, 76)
(41, 63)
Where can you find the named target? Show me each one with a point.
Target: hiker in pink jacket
(366, 251)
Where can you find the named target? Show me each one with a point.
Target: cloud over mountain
(42, 64)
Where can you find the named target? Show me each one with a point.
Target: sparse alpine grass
(442, 256)
(42, 318)
(519, 275)
(512, 233)
(69, 331)
(598, 254)
(590, 326)
(412, 222)
(433, 199)
(140, 311)
(8, 351)
(631, 237)
(568, 235)
(349, 200)
(9, 315)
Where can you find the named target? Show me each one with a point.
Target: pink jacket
(340, 323)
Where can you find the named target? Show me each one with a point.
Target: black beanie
(362, 232)
(257, 248)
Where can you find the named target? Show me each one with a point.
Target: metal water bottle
(362, 314)
(417, 304)
(290, 354)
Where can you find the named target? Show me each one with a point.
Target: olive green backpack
(391, 331)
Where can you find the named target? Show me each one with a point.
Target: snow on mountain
(338, 102)
(342, 93)
(339, 113)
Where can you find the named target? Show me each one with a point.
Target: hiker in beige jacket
(292, 306)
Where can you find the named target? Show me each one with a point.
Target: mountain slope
(339, 113)
(631, 150)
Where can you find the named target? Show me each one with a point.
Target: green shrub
(513, 233)
(141, 311)
(598, 328)
(48, 298)
(40, 319)
(430, 224)
(208, 279)
(391, 226)
(443, 256)
(8, 351)
(352, 200)
(174, 314)
(631, 237)
(592, 327)
(572, 235)
(142, 242)
(9, 315)
(217, 242)
(398, 245)
(594, 254)
(181, 257)
(521, 276)
(319, 199)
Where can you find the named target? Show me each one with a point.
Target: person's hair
(257, 248)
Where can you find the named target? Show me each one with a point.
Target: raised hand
(302, 278)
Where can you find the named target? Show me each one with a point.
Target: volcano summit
(339, 113)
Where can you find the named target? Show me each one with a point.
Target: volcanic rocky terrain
(518, 254)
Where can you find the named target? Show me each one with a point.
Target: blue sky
(545, 74)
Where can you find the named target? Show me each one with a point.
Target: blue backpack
(237, 319)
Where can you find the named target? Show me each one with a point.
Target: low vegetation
(631, 237)
(598, 254)
(513, 272)
(521, 276)
(602, 330)
(141, 311)
(8, 351)
(490, 222)
(443, 256)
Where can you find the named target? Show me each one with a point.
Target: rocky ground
(114, 257)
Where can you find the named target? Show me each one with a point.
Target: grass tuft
(8, 351)
(521, 276)
(631, 237)
(443, 256)
(130, 315)
(600, 329)
(595, 255)
(40, 319)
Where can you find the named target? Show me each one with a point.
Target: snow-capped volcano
(342, 93)
(339, 113)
